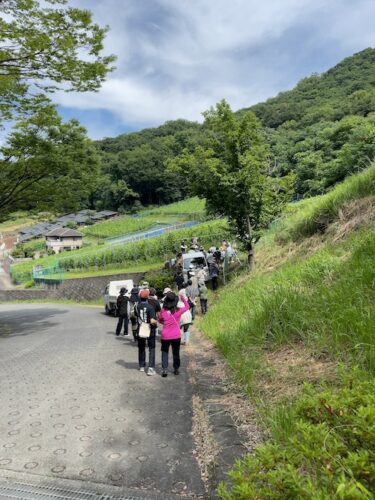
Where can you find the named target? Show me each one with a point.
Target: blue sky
(176, 58)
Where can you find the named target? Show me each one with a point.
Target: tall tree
(45, 46)
(47, 164)
(48, 46)
(232, 171)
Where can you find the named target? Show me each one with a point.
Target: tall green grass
(326, 301)
(194, 207)
(314, 215)
(122, 225)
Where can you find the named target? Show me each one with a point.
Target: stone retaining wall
(78, 289)
(89, 288)
(10, 295)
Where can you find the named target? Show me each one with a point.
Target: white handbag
(144, 330)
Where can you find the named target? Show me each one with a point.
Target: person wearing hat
(133, 301)
(192, 292)
(123, 312)
(179, 279)
(146, 316)
(154, 301)
(170, 317)
(203, 296)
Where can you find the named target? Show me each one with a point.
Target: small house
(61, 239)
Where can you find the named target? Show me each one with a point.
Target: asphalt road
(75, 407)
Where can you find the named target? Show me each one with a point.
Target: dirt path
(5, 281)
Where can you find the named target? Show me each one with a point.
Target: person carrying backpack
(146, 317)
(123, 312)
(214, 271)
(192, 292)
(134, 299)
(154, 301)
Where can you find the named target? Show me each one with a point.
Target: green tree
(114, 195)
(48, 47)
(233, 173)
(46, 164)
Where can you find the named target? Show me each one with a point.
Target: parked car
(194, 261)
(111, 293)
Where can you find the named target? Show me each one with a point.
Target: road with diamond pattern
(74, 406)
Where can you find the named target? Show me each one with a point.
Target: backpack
(144, 326)
(132, 309)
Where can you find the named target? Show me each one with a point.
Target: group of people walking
(173, 315)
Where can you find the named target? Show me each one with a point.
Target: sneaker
(176, 372)
(141, 368)
(126, 335)
(164, 373)
(150, 371)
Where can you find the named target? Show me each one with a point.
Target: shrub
(29, 284)
(160, 280)
(329, 453)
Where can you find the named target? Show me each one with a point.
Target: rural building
(81, 218)
(104, 215)
(63, 239)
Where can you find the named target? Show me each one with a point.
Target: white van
(194, 261)
(112, 291)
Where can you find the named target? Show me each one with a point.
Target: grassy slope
(308, 308)
(194, 207)
(123, 225)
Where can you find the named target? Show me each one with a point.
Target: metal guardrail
(52, 273)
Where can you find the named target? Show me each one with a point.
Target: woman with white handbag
(170, 318)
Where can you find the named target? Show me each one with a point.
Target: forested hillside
(133, 170)
(323, 130)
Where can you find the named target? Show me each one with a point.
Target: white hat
(166, 290)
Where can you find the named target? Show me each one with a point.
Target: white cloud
(178, 57)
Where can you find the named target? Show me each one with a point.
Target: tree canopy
(323, 129)
(233, 172)
(135, 163)
(47, 164)
(48, 46)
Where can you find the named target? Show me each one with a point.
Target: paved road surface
(74, 406)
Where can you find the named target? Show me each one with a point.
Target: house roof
(64, 232)
(108, 212)
(80, 217)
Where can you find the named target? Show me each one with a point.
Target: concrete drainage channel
(22, 489)
(27, 491)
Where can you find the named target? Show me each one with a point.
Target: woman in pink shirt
(170, 317)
